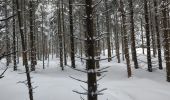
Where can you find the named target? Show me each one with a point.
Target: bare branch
(1, 76)
(83, 93)
(78, 79)
(8, 18)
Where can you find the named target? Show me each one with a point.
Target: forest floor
(54, 84)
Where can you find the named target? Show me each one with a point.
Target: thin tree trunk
(20, 21)
(158, 35)
(133, 38)
(152, 31)
(71, 34)
(117, 38)
(8, 58)
(60, 38)
(143, 47)
(108, 32)
(14, 38)
(125, 39)
(32, 37)
(64, 39)
(147, 35)
(43, 37)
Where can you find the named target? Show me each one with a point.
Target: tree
(90, 62)
(60, 35)
(32, 36)
(20, 21)
(166, 35)
(158, 34)
(147, 35)
(14, 37)
(108, 31)
(133, 46)
(125, 38)
(8, 58)
(71, 34)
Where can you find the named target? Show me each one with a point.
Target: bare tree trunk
(64, 39)
(152, 30)
(20, 21)
(158, 35)
(14, 37)
(117, 38)
(147, 35)
(125, 39)
(90, 63)
(8, 58)
(166, 35)
(42, 36)
(143, 47)
(32, 45)
(60, 37)
(133, 38)
(108, 32)
(71, 34)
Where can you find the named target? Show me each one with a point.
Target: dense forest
(90, 37)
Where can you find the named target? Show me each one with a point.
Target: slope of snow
(54, 84)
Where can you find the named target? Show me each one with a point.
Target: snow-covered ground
(54, 84)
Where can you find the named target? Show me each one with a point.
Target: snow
(56, 84)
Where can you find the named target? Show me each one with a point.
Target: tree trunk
(64, 38)
(152, 30)
(166, 35)
(32, 36)
(8, 58)
(158, 35)
(125, 39)
(71, 34)
(20, 21)
(14, 37)
(147, 35)
(108, 32)
(90, 62)
(133, 38)
(60, 38)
